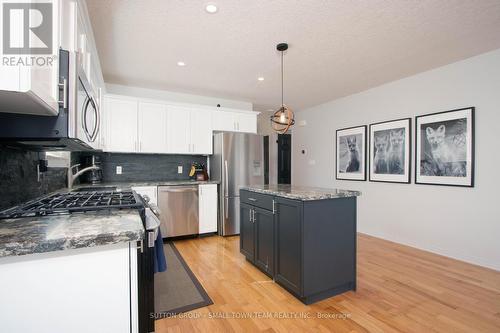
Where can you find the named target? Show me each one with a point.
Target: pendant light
(283, 118)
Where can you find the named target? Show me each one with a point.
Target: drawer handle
(252, 199)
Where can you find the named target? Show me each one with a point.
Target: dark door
(284, 158)
(264, 240)
(289, 244)
(266, 159)
(247, 232)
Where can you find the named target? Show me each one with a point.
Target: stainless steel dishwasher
(179, 210)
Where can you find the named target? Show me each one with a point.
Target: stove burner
(70, 202)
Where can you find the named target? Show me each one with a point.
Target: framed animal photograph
(390, 151)
(351, 153)
(444, 153)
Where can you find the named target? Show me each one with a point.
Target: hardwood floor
(400, 289)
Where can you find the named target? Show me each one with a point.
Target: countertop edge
(311, 196)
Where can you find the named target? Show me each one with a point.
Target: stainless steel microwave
(75, 128)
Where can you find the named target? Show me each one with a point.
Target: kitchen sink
(95, 189)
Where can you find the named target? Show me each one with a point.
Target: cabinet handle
(250, 215)
(252, 199)
(274, 207)
(253, 216)
(64, 86)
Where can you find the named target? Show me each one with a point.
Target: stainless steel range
(71, 202)
(83, 200)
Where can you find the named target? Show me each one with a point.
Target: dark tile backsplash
(18, 178)
(18, 172)
(146, 167)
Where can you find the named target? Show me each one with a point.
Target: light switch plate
(179, 169)
(118, 169)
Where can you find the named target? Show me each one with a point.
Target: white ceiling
(336, 47)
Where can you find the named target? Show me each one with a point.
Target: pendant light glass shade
(283, 118)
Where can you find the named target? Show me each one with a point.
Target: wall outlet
(118, 169)
(179, 169)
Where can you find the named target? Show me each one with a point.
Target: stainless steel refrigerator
(238, 159)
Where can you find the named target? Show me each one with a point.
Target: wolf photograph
(351, 153)
(389, 151)
(445, 148)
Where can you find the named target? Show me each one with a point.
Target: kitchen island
(302, 237)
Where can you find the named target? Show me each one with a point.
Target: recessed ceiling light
(260, 78)
(211, 8)
(181, 63)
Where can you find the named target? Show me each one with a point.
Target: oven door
(146, 267)
(88, 116)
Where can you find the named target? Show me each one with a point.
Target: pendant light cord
(282, 98)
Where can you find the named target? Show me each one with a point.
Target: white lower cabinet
(79, 291)
(150, 191)
(208, 208)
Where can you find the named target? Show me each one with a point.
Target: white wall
(176, 97)
(462, 223)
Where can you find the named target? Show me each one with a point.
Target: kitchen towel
(160, 264)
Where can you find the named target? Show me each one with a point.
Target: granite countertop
(301, 192)
(127, 185)
(30, 235)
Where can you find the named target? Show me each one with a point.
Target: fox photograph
(445, 148)
(390, 145)
(351, 153)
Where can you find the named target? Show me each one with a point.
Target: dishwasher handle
(179, 189)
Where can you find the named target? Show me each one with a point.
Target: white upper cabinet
(152, 120)
(30, 83)
(178, 130)
(247, 122)
(121, 125)
(232, 121)
(224, 121)
(152, 126)
(189, 131)
(201, 132)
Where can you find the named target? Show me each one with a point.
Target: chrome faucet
(72, 177)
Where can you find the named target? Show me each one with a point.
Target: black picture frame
(470, 180)
(408, 151)
(363, 128)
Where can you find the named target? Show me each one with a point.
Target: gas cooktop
(71, 202)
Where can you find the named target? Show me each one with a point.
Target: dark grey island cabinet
(304, 238)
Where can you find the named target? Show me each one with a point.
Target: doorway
(284, 159)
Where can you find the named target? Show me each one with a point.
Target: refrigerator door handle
(226, 207)
(226, 180)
